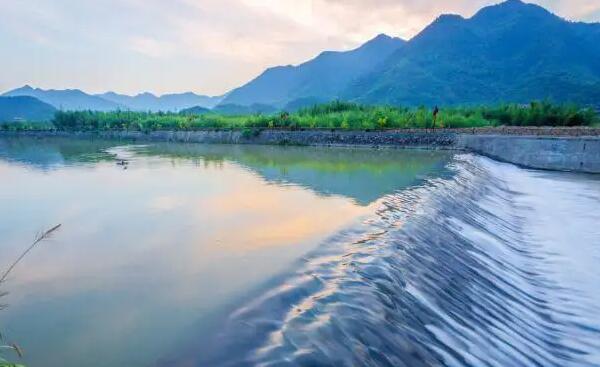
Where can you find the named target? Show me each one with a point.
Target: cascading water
(472, 270)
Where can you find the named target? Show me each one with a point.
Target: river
(200, 255)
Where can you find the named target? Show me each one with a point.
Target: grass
(13, 347)
(333, 115)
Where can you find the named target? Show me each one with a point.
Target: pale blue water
(155, 253)
(195, 255)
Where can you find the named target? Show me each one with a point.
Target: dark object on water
(436, 110)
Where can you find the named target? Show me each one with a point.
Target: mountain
(323, 77)
(68, 99)
(74, 99)
(512, 52)
(196, 110)
(235, 109)
(167, 102)
(24, 108)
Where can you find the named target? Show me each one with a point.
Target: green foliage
(5, 348)
(248, 133)
(25, 126)
(333, 115)
(7, 364)
(541, 114)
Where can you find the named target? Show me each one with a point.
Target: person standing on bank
(436, 110)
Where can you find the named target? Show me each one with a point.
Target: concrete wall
(306, 137)
(581, 154)
(416, 138)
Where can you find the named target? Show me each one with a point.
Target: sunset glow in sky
(205, 46)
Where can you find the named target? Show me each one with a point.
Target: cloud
(150, 47)
(204, 45)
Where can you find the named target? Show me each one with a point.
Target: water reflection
(149, 256)
(361, 174)
(46, 153)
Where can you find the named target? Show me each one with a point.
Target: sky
(204, 46)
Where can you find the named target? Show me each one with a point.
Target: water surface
(160, 243)
(492, 266)
(192, 255)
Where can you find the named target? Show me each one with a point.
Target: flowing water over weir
(213, 255)
(460, 271)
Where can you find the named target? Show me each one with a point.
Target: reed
(336, 115)
(333, 115)
(13, 347)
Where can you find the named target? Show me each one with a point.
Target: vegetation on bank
(333, 115)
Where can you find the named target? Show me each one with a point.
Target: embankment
(565, 149)
(579, 154)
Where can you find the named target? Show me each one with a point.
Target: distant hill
(196, 110)
(511, 52)
(24, 108)
(68, 99)
(167, 102)
(323, 77)
(77, 100)
(305, 102)
(234, 109)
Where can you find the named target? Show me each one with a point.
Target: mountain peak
(448, 18)
(510, 8)
(513, 3)
(381, 38)
(24, 89)
(380, 42)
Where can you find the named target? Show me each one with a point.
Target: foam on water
(495, 266)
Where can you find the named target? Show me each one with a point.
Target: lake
(196, 255)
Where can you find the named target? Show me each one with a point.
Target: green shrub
(333, 115)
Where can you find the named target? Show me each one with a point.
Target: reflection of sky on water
(361, 174)
(145, 252)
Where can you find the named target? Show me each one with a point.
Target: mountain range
(167, 102)
(509, 52)
(24, 108)
(76, 100)
(67, 99)
(320, 78)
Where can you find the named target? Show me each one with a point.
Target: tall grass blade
(41, 237)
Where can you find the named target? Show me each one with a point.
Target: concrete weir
(578, 154)
(563, 149)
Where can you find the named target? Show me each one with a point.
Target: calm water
(196, 255)
(153, 256)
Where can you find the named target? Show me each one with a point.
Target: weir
(577, 154)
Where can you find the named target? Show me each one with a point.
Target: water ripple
(451, 273)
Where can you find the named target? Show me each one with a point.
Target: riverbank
(564, 149)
